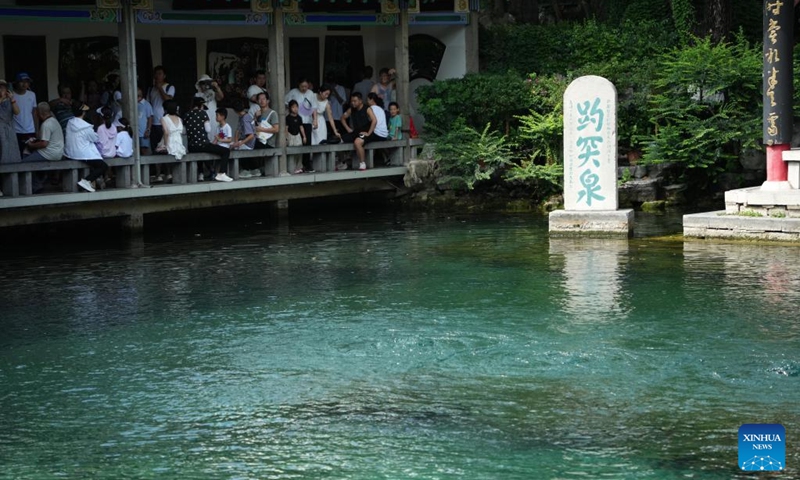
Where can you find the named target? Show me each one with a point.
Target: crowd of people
(94, 129)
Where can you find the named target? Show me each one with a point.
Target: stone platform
(767, 203)
(597, 223)
(732, 226)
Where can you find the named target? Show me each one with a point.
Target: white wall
(454, 63)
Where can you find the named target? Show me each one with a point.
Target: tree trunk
(530, 11)
(499, 8)
(718, 19)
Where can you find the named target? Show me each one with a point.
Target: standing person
(197, 129)
(173, 129)
(259, 86)
(124, 142)
(322, 117)
(377, 131)
(386, 87)
(365, 85)
(80, 144)
(305, 108)
(145, 112)
(63, 106)
(49, 146)
(208, 89)
(395, 122)
(92, 95)
(26, 121)
(159, 93)
(337, 99)
(112, 97)
(9, 150)
(295, 134)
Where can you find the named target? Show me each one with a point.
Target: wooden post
(276, 46)
(403, 75)
(127, 63)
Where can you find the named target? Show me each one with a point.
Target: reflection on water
(393, 347)
(592, 273)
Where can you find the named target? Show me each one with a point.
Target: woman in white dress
(322, 116)
(173, 130)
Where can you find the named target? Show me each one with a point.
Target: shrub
(477, 98)
(707, 105)
(467, 156)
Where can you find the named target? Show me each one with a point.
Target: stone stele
(590, 162)
(590, 144)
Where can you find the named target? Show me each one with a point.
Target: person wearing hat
(209, 90)
(197, 130)
(9, 153)
(80, 144)
(25, 122)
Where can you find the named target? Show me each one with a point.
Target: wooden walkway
(19, 206)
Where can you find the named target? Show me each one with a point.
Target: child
(395, 122)
(107, 133)
(224, 137)
(124, 140)
(295, 134)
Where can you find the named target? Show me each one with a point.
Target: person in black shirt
(355, 119)
(295, 135)
(197, 128)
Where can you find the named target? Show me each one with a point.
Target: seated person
(267, 124)
(107, 133)
(50, 143)
(377, 131)
(49, 146)
(355, 120)
(124, 141)
(197, 127)
(80, 144)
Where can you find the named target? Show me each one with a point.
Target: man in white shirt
(159, 93)
(49, 146)
(26, 122)
(306, 100)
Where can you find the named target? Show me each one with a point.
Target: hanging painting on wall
(232, 62)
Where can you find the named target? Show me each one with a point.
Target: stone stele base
(598, 223)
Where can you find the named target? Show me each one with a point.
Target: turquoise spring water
(395, 347)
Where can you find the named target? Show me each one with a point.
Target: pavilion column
(403, 68)
(473, 65)
(127, 64)
(278, 81)
(777, 78)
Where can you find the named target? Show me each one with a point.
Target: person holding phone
(9, 151)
